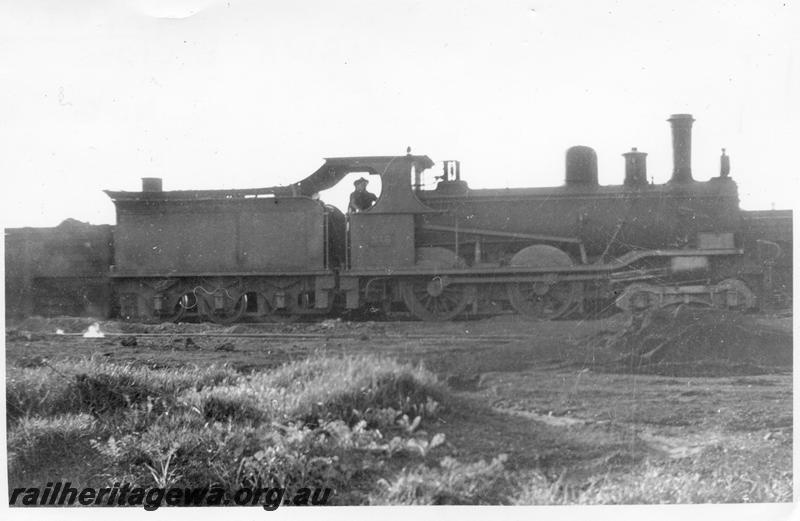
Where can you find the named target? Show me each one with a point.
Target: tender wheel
(543, 301)
(154, 309)
(269, 314)
(221, 308)
(185, 304)
(433, 300)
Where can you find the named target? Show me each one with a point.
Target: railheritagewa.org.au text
(151, 498)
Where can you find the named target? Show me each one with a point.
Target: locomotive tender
(280, 253)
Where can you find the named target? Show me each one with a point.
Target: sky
(96, 94)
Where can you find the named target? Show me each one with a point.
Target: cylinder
(681, 147)
(581, 166)
(151, 184)
(635, 167)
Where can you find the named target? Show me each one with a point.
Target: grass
(36, 441)
(325, 422)
(362, 425)
(713, 477)
(449, 483)
(317, 390)
(86, 386)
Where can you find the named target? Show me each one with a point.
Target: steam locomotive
(279, 253)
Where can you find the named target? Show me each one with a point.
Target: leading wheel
(433, 300)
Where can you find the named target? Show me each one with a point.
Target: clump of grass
(34, 442)
(239, 401)
(232, 403)
(451, 483)
(39, 391)
(97, 387)
(350, 388)
(320, 390)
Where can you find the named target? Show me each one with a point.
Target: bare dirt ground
(547, 393)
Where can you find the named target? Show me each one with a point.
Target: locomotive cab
(383, 237)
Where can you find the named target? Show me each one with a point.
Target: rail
(299, 336)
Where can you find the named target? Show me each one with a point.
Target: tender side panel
(219, 236)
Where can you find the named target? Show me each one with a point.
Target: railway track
(297, 336)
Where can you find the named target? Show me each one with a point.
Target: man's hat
(361, 180)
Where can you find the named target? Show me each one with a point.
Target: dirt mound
(686, 341)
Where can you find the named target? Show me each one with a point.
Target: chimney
(635, 168)
(151, 184)
(681, 147)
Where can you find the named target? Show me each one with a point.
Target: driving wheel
(434, 300)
